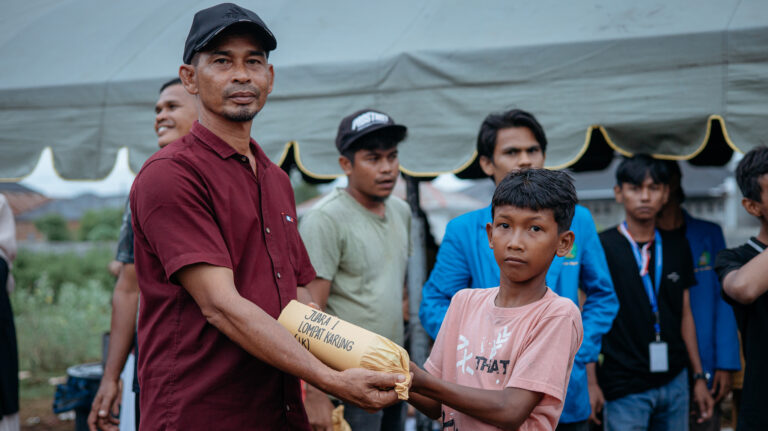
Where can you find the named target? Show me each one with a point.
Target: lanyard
(642, 258)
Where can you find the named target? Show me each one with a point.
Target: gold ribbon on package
(342, 345)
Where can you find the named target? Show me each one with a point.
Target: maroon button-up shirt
(197, 200)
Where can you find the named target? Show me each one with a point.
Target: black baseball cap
(364, 122)
(210, 22)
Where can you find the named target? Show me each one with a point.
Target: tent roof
(81, 76)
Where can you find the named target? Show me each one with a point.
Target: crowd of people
(539, 322)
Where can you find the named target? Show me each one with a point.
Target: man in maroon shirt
(218, 256)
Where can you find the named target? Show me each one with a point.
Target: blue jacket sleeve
(726, 337)
(602, 304)
(450, 274)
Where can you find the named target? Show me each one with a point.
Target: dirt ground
(37, 415)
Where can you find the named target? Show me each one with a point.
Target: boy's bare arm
(424, 404)
(506, 409)
(749, 282)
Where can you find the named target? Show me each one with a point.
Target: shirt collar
(224, 150)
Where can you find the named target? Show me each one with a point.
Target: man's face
(373, 173)
(525, 241)
(232, 77)
(175, 113)
(759, 209)
(516, 149)
(642, 202)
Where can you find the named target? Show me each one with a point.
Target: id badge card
(658, 354)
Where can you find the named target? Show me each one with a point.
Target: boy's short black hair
(174, 81)
(379, 140)
(539, 189)
(750, 169)
(633, 170)
(486, 137)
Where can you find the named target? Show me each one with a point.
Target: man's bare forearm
(688, 332)
(125, 301)
(749, 282)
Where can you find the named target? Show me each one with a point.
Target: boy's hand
(721, 385)
(370, 390)
(703, 400)
(596, 401)
(417, 377)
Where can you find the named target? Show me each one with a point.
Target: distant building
(22, 200)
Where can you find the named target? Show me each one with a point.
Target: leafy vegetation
(61, 307)
(101, 225)
(54, 227)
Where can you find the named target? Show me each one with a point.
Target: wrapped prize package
(342, 345)
(337, 418)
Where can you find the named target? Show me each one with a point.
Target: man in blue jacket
(509, 141)
(715, 323)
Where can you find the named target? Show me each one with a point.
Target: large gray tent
(81, 76)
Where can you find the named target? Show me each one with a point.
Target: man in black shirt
(653, 337)
(743, 272)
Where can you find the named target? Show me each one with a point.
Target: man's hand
(721, 385)
(596, 398)
(370, 390)
(703, 400)
(105, 410)
(596, 401)
(319, 409)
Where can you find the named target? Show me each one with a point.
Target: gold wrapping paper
(342, 345)
(337, 418)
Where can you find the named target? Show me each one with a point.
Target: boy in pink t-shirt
(503, 356)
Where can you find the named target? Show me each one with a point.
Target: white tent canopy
(81, 76)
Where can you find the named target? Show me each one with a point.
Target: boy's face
(516, 149)
(759, 209)
(525, 241)
(642, 202)
(373, 173)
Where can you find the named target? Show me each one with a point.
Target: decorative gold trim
(302, 168)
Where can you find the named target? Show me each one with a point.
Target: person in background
(653, 339)
(175, 112)
(358, 241)
(503, 356)
(9, 355)
(715, 324)
(507, 142)
(743, 271)
(219, 256)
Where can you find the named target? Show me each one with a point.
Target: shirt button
(287, 407)
(268, 231)
(279, 276)
(243, 159)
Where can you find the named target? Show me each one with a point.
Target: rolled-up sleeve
(175, 215)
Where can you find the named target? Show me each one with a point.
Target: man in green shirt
(358, 241)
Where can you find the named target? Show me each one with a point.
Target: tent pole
(417, 276)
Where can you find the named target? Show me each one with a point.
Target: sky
(45, 180)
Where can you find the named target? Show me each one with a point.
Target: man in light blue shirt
(510, 141)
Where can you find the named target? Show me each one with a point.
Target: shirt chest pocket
(291, 238)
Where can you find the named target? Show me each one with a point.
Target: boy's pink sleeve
(434, 364)
(545, 363)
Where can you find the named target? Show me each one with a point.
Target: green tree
(101, 224)
(54, 227)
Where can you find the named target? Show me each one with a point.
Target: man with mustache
(219, 256)
(358, 241)
(174, 114)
